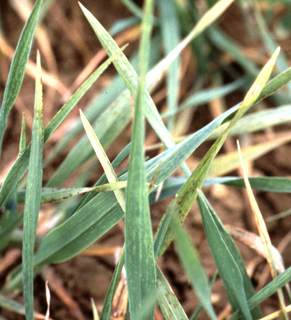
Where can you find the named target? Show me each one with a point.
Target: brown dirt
(85, 277)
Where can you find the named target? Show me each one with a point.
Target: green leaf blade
(32, 199)
(139, 253)
(226, 265)
(17, 68)
(194, 269)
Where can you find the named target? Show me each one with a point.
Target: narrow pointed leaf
(32, 199)
(139, 253)
(194, 268)
(101, 155)
(17, 68)
(225, 262)
(257, 121)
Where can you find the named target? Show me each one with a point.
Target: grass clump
(181, 31)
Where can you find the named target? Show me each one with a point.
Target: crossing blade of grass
(225, 262)
(50, 195)
(32, 199)
(266, 292)
(193, 267)
(94, 110)
(272, 184)
(115, 163)
(264, 235)
(21, 164)
(16, 307)
(187, 194)
(171, 186)
(101, 155)
(108, 126)
(139, 252)
(17, 69)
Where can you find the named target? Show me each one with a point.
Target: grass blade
(17, 68)
(170, 306)
(101, 155)
(194, 269)
(139, 252)
(267, 291)
(272, 184)
(106, 310)
(16, 307)
(51, 195)
(32, 198)
(225, 262)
